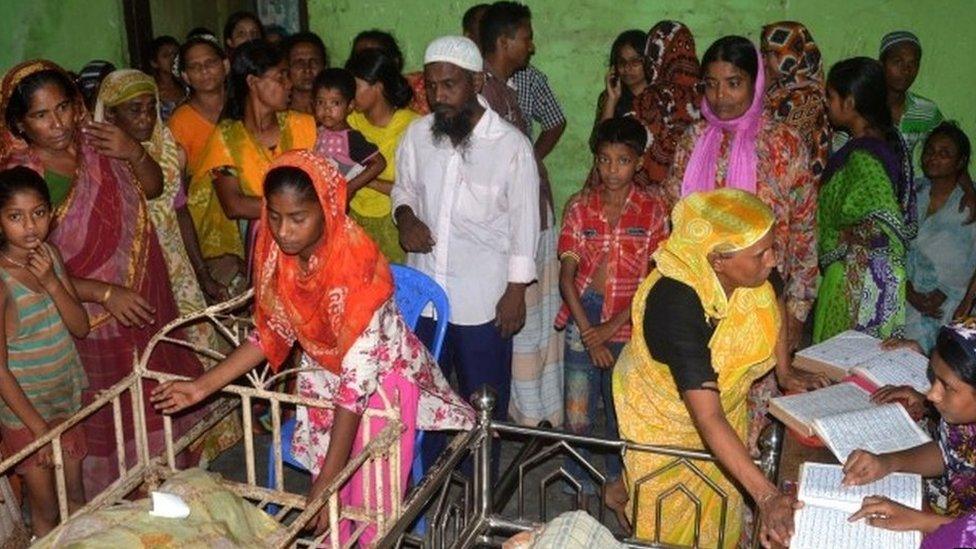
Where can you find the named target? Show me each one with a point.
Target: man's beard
(456, 127)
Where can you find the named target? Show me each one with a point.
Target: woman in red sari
(99, 180)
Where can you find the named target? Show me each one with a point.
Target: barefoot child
(609, 232)
(41, 377)
(360, 161)
(322, 284)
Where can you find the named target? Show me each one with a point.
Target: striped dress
(41, 355)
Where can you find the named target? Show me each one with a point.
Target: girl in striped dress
(41, 377)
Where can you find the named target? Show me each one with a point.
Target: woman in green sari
(866, 210)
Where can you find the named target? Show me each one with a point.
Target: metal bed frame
(149, 469)
(463, 512)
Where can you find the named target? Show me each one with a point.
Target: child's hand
(893, 343)
(172, 396)
(597, 335)
(601, 356)
(129, 308)
(45, 456)
(41, 265)
(912, 400)
(881, 512)
(863, 467)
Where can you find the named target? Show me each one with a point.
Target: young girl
(359, 160)
(41, 377)
(953, 393)
(322, 283)
(865, 210)
(382, 98)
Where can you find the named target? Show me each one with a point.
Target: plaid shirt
(626, 249)
(536, 99)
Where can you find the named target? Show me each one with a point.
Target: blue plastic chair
(414, 291)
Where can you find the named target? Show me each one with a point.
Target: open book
(822, 522)
(844, 417)
(853, 353)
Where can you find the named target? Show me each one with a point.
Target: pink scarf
(700, 173)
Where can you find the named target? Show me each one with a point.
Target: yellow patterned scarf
(649, 407)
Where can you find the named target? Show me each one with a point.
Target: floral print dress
(386, 347)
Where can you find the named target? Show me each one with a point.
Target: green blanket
(218, 518)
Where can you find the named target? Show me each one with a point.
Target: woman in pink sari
(99, 180)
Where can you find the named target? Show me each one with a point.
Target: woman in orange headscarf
(320, 282)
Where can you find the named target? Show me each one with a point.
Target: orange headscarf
(326, 307)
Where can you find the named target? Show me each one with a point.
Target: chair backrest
(414, 291)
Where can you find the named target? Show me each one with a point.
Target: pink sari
(104, 233)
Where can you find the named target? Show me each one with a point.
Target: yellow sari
(649, 407)
(231, 144)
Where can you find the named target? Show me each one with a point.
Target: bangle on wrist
(106, 295)
(766, 497)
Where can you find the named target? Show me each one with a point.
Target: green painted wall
(69, 32)
(573, 39)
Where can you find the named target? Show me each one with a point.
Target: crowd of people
(740, 205)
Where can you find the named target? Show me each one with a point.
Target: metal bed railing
(380, 457)
(464, 511)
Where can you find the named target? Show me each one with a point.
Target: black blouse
(677, 333)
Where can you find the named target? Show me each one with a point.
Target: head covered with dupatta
(722, 221)
(327, 304)
(12, 142)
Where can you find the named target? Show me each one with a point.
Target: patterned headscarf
(125, 85)
(963, 331)
(328, 305)
(796, 94)
(10, 143)
(725, 221)
(670, 101)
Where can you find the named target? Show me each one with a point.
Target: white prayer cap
(456, 50)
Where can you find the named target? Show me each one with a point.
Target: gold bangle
(106, 295)
(766, 497)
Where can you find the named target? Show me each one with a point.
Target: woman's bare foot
(615, 497)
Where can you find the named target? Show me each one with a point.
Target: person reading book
(952, 455)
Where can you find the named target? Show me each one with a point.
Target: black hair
(385, 42)
(952, 352)
(863, 78)
(200, 31)
(625, 130)
(236, 18)
(307, 38)
(90, 80)
(501, 19)
(375, 66)
(737, 50)
(276, 29)
(952, 130)
(634, 38)
(20, 99)
(336, 79)
(19, 179)
(293, 179)
(473, 16)
(253, 58)
(156, 45)
(197, 40)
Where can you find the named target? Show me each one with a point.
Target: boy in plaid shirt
(608, 234)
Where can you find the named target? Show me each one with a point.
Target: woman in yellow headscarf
(129, 99)
(705, 326)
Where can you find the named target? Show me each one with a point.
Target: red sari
(104, 233)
